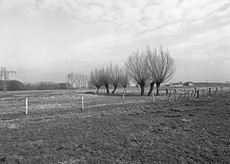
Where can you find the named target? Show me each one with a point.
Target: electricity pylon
(4, 74)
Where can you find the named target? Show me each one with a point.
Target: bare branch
(137, 69)
(160, 65)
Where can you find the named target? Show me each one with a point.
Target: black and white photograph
(114, 81)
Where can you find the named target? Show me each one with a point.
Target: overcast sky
(43, 40)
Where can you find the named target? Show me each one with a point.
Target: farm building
(188, 83)
(177, 84)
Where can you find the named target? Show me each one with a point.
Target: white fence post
(26, 105)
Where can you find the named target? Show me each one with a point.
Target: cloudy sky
(43, 40)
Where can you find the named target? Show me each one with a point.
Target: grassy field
(58, 131)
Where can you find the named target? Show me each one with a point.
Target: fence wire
(59, 100)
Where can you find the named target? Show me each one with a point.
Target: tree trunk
(125, 89)
(114, 89)
(151, 88)
(158, 86)
(97, 89)
(142, 89)
(107, 88)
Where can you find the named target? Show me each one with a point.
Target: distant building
(188, 83)
(177, 84)
(131, 84)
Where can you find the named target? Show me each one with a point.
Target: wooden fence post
(198, 94)
(167, 92)
(209, 91)
(175, 95)
(180, 96)
(192, 93)
(170, 97)
(195, 91)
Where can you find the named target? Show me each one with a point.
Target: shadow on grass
(115, 94)
(130, 94)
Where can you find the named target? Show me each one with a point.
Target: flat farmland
(57, 130)
(54, 101)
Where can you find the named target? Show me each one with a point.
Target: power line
(4, 75)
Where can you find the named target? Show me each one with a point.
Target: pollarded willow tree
(94, 79)
(149, 61)
(137, 69)
(115, 76)
(160, 65)
(124, 80)
(104, 76)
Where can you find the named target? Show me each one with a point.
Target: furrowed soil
(59, 132)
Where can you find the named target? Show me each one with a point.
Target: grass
(58, 131)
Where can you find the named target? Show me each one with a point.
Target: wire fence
(196, 93)
(83, 99)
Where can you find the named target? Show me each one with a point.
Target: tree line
(15, 85)
(77, 80)
(110, 75)
(148, 67)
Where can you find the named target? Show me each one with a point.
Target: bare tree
(71, 79)
(104, 76)
(1, 80)
(85, 80)
(160, 65)
(94, 79)
(124, 80)
(151, 57)
(78, 78)
(115, 76)
(81, 80)
(137, 69)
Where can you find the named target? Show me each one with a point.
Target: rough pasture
(56, 130)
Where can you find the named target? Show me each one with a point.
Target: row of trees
(110, 75)
(148, 67)
(14, 85)
(77, 80)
